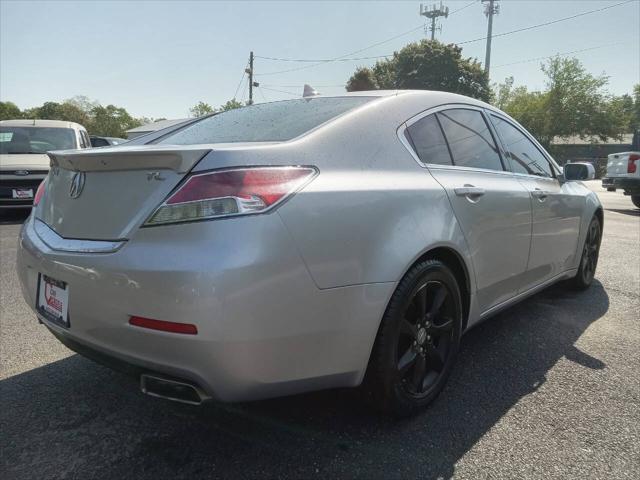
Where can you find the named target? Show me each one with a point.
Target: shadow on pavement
(13, 217)
(634, 212)
(74, 418)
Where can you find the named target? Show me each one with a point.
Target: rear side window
(99, 142)
(265, 122)
(469, 139)
(524, 156)
(428, 141)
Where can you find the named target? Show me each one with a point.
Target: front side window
(469, 139)
(20, 140)
(428, 141)
(265, 122)
(523, 155)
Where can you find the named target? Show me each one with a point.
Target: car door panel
(557, 212)
(492, 208)
(556, 208)
(496, 225)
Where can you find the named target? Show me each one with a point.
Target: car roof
(41, 123)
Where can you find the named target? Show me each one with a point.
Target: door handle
(541, 195)
(469, 191)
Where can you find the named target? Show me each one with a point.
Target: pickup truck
(623, 172)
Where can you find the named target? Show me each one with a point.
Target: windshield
(36, 139)
(266, 122)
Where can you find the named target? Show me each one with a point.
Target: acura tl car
(304, 244)
(23, 155)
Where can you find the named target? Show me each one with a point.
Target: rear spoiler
(123, 158)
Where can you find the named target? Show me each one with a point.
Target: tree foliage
(575, 102)
(202, 108)
(9, 111)
(425, 65)
(110, 121)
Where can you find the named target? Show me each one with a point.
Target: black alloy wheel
(589, 259)
(425, 339)
(417, 340)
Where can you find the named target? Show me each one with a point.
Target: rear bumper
(9, 183)
(631, 185)
(607, 182)
(264, 328)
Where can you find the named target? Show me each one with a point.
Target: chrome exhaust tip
(175, 390)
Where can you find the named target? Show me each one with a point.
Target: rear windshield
(36, 139)
(265, 122)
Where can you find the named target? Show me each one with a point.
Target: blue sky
(158, 58)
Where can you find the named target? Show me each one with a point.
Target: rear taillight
(238, 191)
(631, 164)
(39, 192)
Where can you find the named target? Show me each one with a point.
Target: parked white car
(23, 155)
(623, 171)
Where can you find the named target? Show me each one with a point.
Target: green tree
(83, 103)
(425, 65)
(59, 111)
(9, 111)
(230, 105)
(200, 109)
(111, 121)
(635, 117)
(362, 79)
(573, 103)
(577, 103)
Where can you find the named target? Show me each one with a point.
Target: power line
(342, 57)
(531, 27)
(558, 54)
(281, 91)
(244, 71)
(462, 8)
(301, 85)
(244, 90)
(260, 89)
(320, 60)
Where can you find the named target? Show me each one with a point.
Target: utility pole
(433, 14)
(249, 72)
(492, 8)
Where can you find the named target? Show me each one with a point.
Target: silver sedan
(306, 244)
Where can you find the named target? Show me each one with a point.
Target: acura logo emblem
(77, 184)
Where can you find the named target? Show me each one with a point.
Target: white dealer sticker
(53, 300)
(22, 193)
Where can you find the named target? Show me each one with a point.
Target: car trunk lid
(104, 194)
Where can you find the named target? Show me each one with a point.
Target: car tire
(636, 200)
(589, 258)
(611, 189)
(417, 341)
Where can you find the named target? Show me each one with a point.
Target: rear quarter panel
(373, 210)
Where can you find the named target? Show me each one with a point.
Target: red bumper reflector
(173, 327)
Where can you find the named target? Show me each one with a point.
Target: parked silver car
(304, 244)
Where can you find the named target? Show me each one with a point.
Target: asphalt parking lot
(547, 389)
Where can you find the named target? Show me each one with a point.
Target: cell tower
(433, 13)
(491, 8)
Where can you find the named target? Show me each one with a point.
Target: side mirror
(579, 171)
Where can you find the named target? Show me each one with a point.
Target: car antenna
(309, 91)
